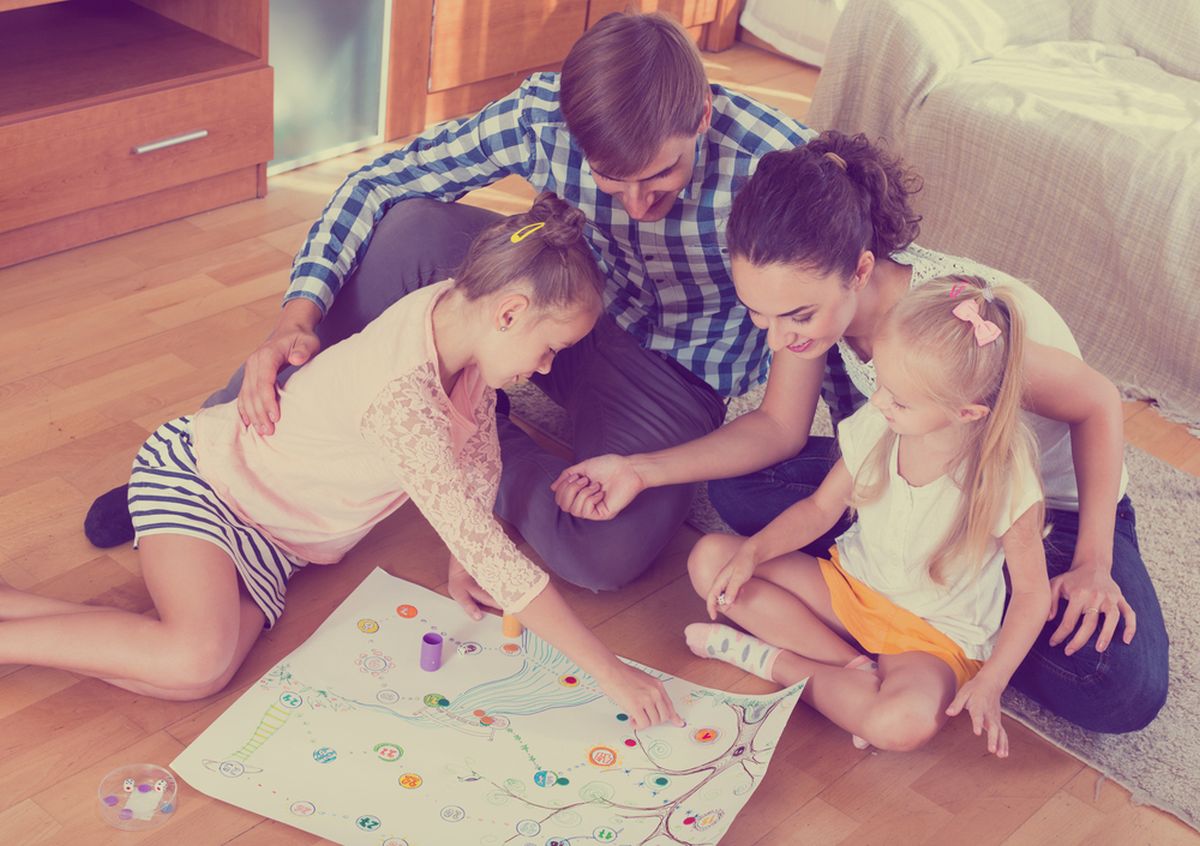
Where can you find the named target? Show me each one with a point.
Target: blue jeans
(1118, 690)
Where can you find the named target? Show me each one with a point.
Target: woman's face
(803, 312)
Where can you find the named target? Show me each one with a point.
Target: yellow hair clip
(525, 231)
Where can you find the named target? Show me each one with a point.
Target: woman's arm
(1061, 387)
(1025, 559)
(599, 488)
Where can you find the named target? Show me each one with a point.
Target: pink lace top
(363, 428)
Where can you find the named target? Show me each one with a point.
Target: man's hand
(466, 591)
(293, 342)
(598, 488)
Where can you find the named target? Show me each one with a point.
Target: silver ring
(1092, 611)
(721, 600)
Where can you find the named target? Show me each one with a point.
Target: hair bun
(564, 222)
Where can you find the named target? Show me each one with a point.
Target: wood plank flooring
(102, 343)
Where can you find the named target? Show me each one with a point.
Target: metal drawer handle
(170, 142)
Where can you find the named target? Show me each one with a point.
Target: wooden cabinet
(116, 115)
(479, 50)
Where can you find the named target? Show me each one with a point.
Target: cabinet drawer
(88, 157)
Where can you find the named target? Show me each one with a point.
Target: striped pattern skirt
(167, 496)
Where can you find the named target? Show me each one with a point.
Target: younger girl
(405, 409)
(942, 474)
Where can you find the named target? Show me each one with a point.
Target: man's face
(649, 194)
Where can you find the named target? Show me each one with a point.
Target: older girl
(224, 516)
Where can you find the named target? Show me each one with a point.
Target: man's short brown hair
(629, 84)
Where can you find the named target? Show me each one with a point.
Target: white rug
(1159, 764)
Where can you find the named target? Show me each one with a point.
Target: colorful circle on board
(486, 721)
(376, 662)
(604, 834)
(689, 820)
(388, 751)
(499, 722)
(368, 626)
(569, 681)
(623, 717)
(303, 809)
(705, 735)
(367, 822)
(660, 782)
(231, 769)
(597, 792)
(394, 841)
(602, 756)
(290, 700)
(739, 751)
(630, 742)
(529, 827)
(469, 647)
(388, 696)
(545, 778)
(563, 782)
(436, 700)
(410, 781)
(325, 755)
(453, 813)
(479, 712)
(511, 649)
(406, 611)
(554, 841)
(708, 820)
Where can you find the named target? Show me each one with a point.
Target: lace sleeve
(408, 421)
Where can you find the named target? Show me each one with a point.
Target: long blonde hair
(948, 365)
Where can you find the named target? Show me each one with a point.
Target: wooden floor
(103, 343)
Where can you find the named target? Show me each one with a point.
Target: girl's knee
(901, 726)
(198, 664)
(707, 557)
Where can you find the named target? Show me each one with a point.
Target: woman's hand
(640, 695)
(1091, 596)
(466, 591)
(981, 698)
(729, 581)
(598, 488)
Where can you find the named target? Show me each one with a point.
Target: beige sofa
(1059, 141)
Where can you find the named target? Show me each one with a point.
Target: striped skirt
(167, 496)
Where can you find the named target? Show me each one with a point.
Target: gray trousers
(620, 397)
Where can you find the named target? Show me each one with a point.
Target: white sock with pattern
(725, 643)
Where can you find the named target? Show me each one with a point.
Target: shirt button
(649, 258)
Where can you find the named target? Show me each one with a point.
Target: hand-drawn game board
(508, 743)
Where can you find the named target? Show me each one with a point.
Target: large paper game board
(507, 743)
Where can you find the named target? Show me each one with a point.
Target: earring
(503, 328)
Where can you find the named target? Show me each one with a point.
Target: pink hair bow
(985, 330)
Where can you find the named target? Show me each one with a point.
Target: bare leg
(204, 628)
(21, 605)
(787, 604)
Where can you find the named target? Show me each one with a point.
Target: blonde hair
(629, 84)
(551, 254)
(944, 360)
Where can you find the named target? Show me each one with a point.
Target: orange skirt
(883, 627)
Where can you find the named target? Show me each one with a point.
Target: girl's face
(909, 410)
(531, 341)
(803, 312)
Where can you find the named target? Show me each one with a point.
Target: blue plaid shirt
(668, 281)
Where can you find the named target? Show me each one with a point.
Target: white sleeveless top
(1043, 325)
